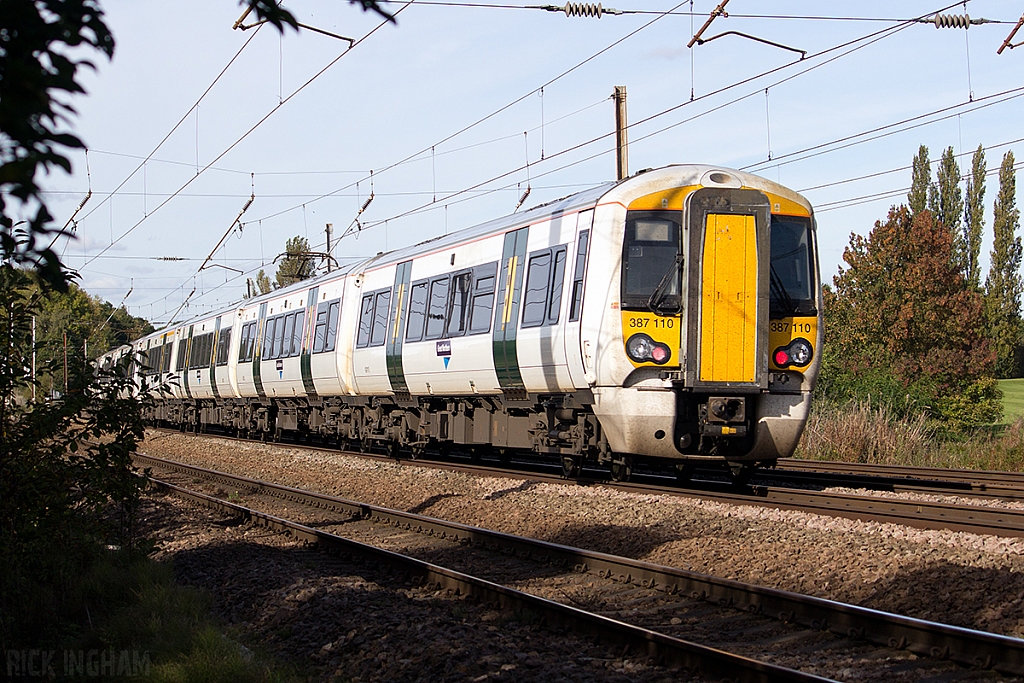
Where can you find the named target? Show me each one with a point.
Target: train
(671, 319)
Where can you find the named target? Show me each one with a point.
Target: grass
(1013, 399)
(856, 432)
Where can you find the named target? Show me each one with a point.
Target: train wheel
(571, 466)
(622, 469)
(417, 450)
(684, 472)
(504, 456)
(740, 474)
(478, 451)
(391, 449)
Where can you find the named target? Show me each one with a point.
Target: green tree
(974, 218)
(83, 325)
(948, 206)
(296, 263)
(263, 285)
(900, 325)
(43, 44)
(1003, 286)
(921, 178)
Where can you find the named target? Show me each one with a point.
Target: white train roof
(637, 185)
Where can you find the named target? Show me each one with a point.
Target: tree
(83, 324)
(297, 263)
(40, 48)
(263, 285)
(948, 205)
(974, 218)
(921, 178)
(43, 44)
(1003, 286)
(900, 325)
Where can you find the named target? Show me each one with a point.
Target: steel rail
(967, 647)
(697, 659)
(922, 514)
(974, 480)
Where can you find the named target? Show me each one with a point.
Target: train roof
(636, 185)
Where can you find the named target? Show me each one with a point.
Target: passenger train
(672, 317)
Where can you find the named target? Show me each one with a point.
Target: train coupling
(725, 416)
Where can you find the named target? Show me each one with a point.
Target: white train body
(674, 316)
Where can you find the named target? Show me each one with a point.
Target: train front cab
(719, 317)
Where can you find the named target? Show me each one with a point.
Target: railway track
(960, 482)
(655, 610)
(919, 513)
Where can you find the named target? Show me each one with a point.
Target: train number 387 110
(660, 323)
(784, 326)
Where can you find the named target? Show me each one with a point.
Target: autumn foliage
(903, 329)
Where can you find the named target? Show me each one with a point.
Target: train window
(182, 348)
(538, 275)
(650, 265)
(167, 357)
(437, 308)
(320, 328)
(417, 312)
(458, 311)
(247, 342)
(243, 343)
(483, 299)
(557, 280)
(279, 330)
(576, 305)
(268, 339)
(332, 325)
(196, 353)
(792, 286)
(300, 324)
(380, 318)
(287, 335)
(365, 320)
(223, 346)
(205, 350)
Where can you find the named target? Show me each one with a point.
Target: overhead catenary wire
(177, 125)
(251, 130)
(503, 108)
(463, 190)
(857, 44)
(867, 40)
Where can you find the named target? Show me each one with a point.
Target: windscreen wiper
(779, 290)
(661, 291)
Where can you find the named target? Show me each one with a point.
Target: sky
(448, 116)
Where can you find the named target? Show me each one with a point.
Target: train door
(729, 287)
(396, 327)
(506, 311)
(574, 351)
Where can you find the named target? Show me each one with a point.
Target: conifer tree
(974, 218)
(920, 182)
(1003, 287)
(948, 206)
(296, 264)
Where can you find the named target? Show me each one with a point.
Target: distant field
(1013, 399)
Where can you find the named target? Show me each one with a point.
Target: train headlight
(798, 353)
(642, 349)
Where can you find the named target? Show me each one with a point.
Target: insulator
(587, 9)
(952, 21)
